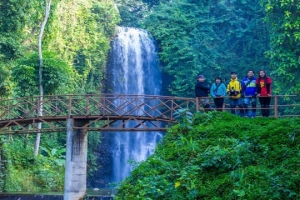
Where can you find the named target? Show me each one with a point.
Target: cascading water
(134, 63)
(134, 70)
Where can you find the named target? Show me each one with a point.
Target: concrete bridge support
(76, 157)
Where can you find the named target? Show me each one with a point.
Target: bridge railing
(280, 106)
(285, 106)
(156, 107)
(150, 106)
(112, 112)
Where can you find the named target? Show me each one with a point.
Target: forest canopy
(78, 32)
(208, 37)
(193, 37)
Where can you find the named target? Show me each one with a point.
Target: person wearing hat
(202, 90)
(235, 92)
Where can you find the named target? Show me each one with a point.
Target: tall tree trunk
(40, 107)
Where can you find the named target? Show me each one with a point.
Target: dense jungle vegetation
(211, 37)
(220, 156)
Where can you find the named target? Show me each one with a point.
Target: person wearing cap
(235, 92)
(202, 91)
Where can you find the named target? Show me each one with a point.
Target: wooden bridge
(105, 112)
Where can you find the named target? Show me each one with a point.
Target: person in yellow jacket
(235, 90)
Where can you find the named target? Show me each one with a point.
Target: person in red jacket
(263, 85)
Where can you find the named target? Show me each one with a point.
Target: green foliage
(207, 37)
(19, 22)
(58, 76)
(6, 85)
(184, 117)
(20, 171)
(221, 157)
(82, 38)
(132, 12)
(92, 158)
(11, 18)
(26, 173)
(56, 156)
(153, 3)
(284, 19)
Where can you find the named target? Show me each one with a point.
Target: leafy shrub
(58, 76)
(25, 173)
(221, 157)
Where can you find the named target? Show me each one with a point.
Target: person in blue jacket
(250, 94)
(218, 91)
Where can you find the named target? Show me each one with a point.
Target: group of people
(242, 93)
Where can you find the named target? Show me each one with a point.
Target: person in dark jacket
(202, 90)
(250, 94)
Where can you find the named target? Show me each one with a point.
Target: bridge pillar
(76, 157)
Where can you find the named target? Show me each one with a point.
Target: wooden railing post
(172, 108)
(56, 106)
(8, 109)
(275, 106)
(70, 107)
(103, 99)
(136, 105)
(197, 104)
(39, 106)
(87, 105)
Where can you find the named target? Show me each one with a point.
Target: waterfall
(134, 63)
(133, 69)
